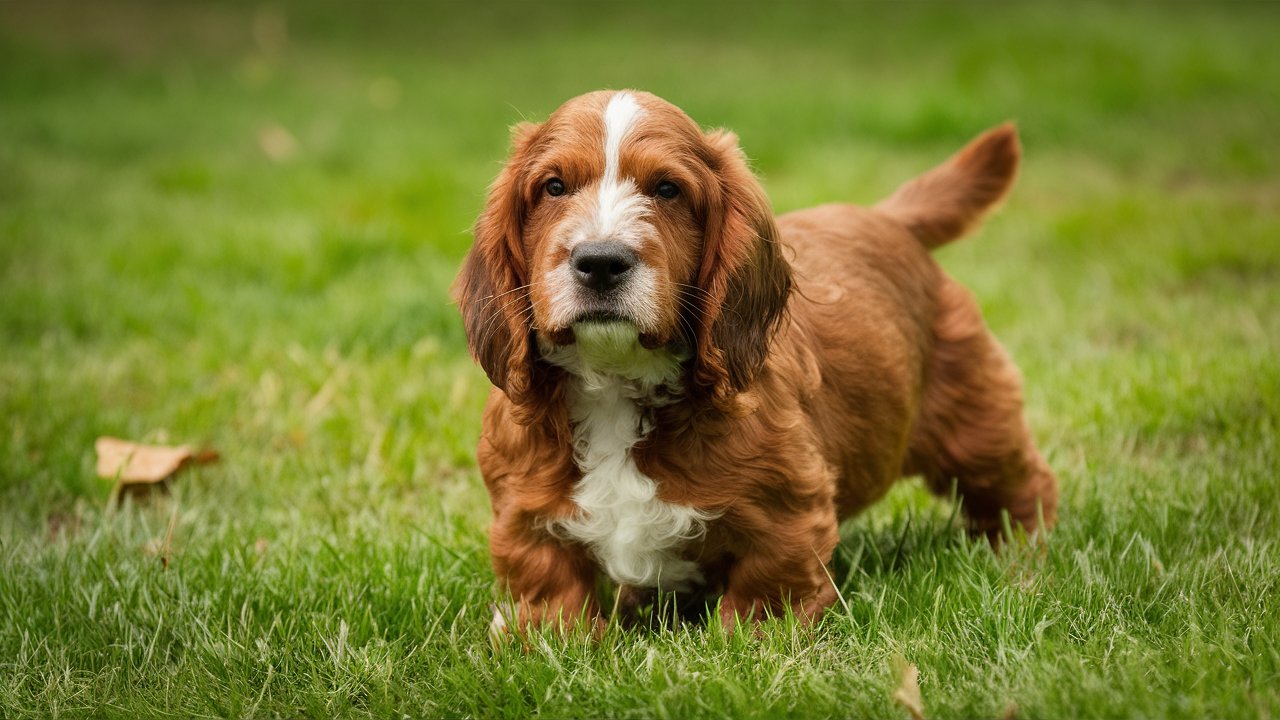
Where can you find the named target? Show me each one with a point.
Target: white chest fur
(635, 535)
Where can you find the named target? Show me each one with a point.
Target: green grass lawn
(165, 278)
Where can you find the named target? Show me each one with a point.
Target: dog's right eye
(554, 187)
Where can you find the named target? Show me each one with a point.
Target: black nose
(601, 266)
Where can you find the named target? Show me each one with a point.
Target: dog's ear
(746, 279)
(492, 288)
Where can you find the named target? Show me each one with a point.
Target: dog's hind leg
(971, 430)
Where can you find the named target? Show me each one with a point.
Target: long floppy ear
(492, 288)
(744, 273)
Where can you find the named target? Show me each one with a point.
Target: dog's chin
(608, 329)
(603, 347)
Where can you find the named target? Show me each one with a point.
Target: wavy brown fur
(802, 407)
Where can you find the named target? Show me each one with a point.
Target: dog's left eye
(666, 190)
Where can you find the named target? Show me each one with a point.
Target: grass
(162, 278)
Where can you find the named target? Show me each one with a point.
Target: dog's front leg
(785, 568)
(549, 582)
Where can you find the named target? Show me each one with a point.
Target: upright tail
(949, 200)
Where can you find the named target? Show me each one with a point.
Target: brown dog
(691, 393)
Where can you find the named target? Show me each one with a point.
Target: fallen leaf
(137, 468)
(134, 463)
(908, 693)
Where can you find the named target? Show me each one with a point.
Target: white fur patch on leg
(498, 626)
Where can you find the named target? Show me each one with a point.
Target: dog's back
(914, 383)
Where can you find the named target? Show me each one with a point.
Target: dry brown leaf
(133, 463)
(137, 468)
(908, 693)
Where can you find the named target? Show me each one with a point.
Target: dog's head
(619, 209)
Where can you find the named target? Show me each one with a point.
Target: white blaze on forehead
(621, 113)
(620, 207)
(617, 212)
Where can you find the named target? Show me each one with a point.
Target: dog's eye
(666, 190)
(554, 187)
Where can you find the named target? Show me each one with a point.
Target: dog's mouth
(593, 323)
(602, 316)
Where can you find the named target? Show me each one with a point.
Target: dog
(690, 393)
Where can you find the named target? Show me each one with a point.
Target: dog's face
(615, 216)
(620, 209)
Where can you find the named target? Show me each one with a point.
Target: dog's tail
(947, 201)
